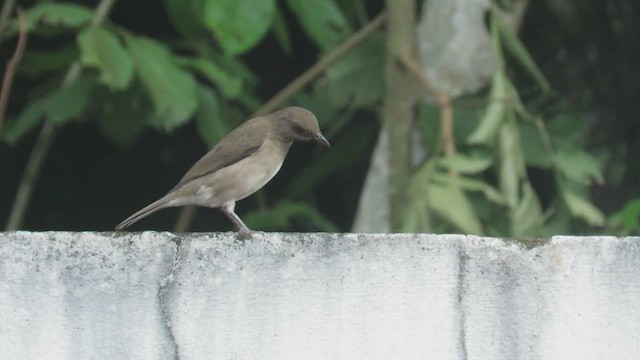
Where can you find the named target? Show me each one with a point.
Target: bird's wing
(242, 142)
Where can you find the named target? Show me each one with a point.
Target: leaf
(527, 217)
(284, 214)
(512, 168)
(322, 21)
(281, 32)
(357, 79)
(513, 44)
(186, 17)
(579, 166)
(37, 63)
(229, 84)
(469, 184)
(58, 14)
(453, 206)
(582, 208)
(417, 218)
(172, 90)
(496, 112)
(102, 50)
(533, 147)
(238, 25)
(30, 117)
(627, 218)
(68, 103)
(465, 164)
(123, 114)
(209, 120)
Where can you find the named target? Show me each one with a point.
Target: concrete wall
(316, 296)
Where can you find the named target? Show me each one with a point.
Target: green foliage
(103, 50)
(506, 142)
(173, 90)
(131, 83)
(285, 214)
(322, 21)
(48, 14)
(627, 219)
(238, 25)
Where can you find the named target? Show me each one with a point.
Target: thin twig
(442, 100)
(183, 223)
(318, 68)
(5, 14)
(45, 138)
(12, 65)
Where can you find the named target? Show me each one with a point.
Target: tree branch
(318, 68)
(398, 108)
(442, 100)
(12, 65)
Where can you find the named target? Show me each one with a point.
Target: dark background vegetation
(588, 49)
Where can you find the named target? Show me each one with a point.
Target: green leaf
(357, 79)
(465, 164)
(30, 117)
(36, 63)
(627, 218)
(238, 25)
(322, 21)
(496, 112)
(579, 166)
(417, 218)
(186, 17)
(527, 217)
(123, 114)
(468, 184)
(281, 32)
(582, 208)
(453, 206)
(210, 123)
(68, 103)
(533, 147)
(173, 91)
(284, 214)
(58, 14)
(513, 44)
(102, 50)
(229, 84)
(512, 168)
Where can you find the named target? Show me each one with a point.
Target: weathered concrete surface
(316, 296)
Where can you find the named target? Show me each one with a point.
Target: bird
(240, 164)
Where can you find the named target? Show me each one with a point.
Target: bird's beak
(322, 140)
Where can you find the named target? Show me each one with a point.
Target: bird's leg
(227, 209)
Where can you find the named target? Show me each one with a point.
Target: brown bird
(239, 165)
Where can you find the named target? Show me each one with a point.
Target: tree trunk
(398, 111)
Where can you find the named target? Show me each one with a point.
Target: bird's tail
(147, 210)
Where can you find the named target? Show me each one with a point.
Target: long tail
(147, 210)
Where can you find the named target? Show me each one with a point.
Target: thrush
(239, 165)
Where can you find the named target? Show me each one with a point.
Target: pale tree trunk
(456, 55)
(382, 202)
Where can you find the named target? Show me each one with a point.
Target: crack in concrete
(462, 265)
(162, 289)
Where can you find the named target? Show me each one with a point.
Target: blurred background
(508, 118)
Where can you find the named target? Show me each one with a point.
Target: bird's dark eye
(299, 130)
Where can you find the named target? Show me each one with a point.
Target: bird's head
(298, 124)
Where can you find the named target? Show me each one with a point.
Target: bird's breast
(241, 179)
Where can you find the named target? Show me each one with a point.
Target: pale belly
(234, 182)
